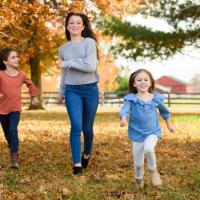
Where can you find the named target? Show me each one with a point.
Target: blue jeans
(9, 123)
(81, 103)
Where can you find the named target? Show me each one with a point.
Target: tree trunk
(36, 78)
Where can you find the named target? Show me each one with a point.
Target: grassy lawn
(45, 160)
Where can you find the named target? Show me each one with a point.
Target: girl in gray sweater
(79, 61)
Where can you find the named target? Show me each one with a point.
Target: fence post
(168, 97)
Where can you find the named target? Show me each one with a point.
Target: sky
(183, 67)
(179, 66)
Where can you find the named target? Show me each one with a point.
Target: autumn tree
(33, 28)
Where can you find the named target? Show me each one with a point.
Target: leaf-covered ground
(45, 160)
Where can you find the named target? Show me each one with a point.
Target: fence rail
(116, 98)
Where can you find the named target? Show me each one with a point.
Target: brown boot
(155, 179)
(14, 160)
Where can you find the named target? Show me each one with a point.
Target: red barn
(177, 86)
(163, 89)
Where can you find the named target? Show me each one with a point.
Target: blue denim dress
(143, 116)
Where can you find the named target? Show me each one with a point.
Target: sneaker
(84, 162)
(77, 170)
(155, 179)
(14, 160)
(139, 183)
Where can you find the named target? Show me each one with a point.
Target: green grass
(45, 161)
(186, 118)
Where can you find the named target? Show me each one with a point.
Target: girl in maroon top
(11, 81)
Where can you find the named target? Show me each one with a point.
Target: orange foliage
(108, 73)
(118, 8)
(78, 6)
(35, 29)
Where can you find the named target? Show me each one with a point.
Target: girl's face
(142, 82)
(75, 25)
(13, 60)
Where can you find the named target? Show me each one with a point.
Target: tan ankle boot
(14, 160)
(155, 179)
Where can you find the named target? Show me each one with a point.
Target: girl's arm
(87, 64)
(165, 114)
(1, 95)
(62, 85)
(33, 91)
(124, 113)
(61, 93)
(170, 128)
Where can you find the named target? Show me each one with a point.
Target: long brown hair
(87, 32)
(133, 89)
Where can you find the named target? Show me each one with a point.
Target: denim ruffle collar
(147, 105)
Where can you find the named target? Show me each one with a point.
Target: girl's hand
(171, 130)
(60, 64)
(34, 101)
(60, 100)
(1, 95)
(123, 121)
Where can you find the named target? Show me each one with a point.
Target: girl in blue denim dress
(140, 111)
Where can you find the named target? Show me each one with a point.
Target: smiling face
(142, 82)
(75, 25)
(12, 60)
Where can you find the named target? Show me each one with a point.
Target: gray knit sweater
(80, 63)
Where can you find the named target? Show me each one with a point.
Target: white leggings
(139, 149)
